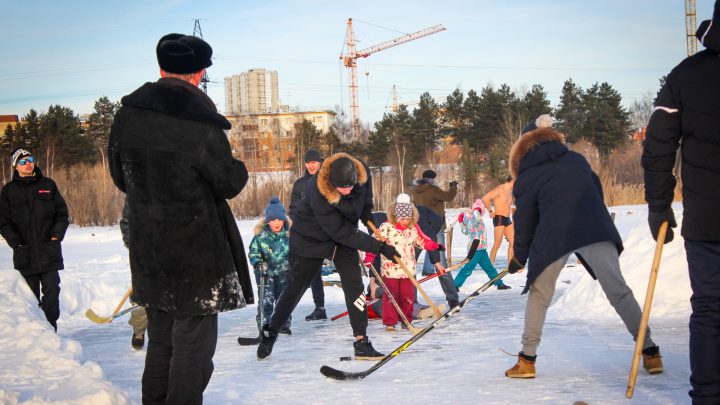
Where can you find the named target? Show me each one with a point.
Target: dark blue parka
(559, 202)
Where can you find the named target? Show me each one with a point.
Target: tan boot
(652, 360)
(525, 367)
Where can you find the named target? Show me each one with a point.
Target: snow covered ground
(585, 354)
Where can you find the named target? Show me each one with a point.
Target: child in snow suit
(402, 232)
(471, 224)
(268, 254)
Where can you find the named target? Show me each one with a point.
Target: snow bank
(36, 365)
(586, 300)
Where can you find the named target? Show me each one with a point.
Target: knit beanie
(275, 210)
(182, 54)
(312, 155)
(479, 205)
(543, 121)
(403, 206)
(18, 154)
(343, 173)
(429, 174)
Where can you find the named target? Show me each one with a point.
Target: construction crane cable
(380, 26)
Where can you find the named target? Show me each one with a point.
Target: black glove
(261, 267)
(389, 252)
(453, 184)
(514, 266)
(655, 219)
(441, 247)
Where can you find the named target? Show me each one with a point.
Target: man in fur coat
(169, 153)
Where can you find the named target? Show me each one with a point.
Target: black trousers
(302, 271)
(49, 284)
(178, 363)
(316, 285)
(704, 266)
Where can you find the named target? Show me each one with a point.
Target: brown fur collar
(528, 142)
(393, 220)
(323, 180)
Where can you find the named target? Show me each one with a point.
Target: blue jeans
(446, 280)
(481, 257)
(704, 266)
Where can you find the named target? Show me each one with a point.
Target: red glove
(369, 259)
(461, 217)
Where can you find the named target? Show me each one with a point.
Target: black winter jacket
(32, 211)
(559, 202)
(688, 109)
(169, 154)
(298, 191)
(325, 218)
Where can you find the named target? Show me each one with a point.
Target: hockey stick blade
(346, 375)
(471, 252)
(91, 315)
(248, 341)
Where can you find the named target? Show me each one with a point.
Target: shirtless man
(499, 201)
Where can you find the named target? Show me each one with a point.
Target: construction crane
(690, 27)
(197, 32)
(350, 62)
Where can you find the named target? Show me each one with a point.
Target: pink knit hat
(478, 205)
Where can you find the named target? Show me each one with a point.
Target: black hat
(343, 173)
(543, 121)
(178, 53)
(18, 154)
(313, 155)
(429, 174)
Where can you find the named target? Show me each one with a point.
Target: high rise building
(252, 92)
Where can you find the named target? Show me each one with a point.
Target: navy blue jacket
(559, 202)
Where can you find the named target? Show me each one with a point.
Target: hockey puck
(345, 358)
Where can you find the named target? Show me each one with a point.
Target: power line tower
(197, 32)
(690, 27)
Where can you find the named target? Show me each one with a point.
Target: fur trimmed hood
(528, 142)
(326, 188)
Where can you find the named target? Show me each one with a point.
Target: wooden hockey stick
(90, 314)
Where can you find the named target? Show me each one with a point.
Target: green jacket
(271, 248)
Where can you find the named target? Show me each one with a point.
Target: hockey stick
(347, 375)
(392, 299)
(344, 314)
(252, 341)
(90, 314)
(471, 252)
(646, 311)
(449, 239)
(410, 275)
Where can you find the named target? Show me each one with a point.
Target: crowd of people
(169, 153)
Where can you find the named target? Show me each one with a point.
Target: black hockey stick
(346, 375)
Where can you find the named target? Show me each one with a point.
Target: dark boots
(503, 286)
(137, 342)
(317, 315)
(268, 336)
(365, 351)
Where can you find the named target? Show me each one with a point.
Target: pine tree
(99, 123)
(425, 126)
(606, 122)
(535, 102)
(570, 114)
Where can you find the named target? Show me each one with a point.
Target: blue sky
(72, 52)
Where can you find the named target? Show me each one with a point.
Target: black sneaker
(365, 351)
(317, 315)
(452, 303)
(503, 287)
(137, 343)
(285, 330)
(268, 336)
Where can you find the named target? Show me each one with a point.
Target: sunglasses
(29, 159)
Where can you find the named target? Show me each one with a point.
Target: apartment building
(252, 92)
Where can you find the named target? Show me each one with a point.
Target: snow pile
(671, 299)
(36, 365)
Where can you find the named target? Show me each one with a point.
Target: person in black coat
(313, 159)
(33, 221)
(169, 153)
(325, 225)
(560, 211)
(687, 113)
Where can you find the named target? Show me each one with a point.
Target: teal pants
(481, 257)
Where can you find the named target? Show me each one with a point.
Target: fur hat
(479, 205)
(543, 121)
(343, 173)
(312, 155)
(182, 54)
(18, 154)
(275, 210)
(403, 206)
(429, 174)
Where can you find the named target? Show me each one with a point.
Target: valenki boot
(525, 367)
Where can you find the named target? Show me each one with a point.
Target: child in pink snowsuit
(402, 232)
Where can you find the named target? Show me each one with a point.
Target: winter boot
(285, 330)
(365, 351)
(268, 336)
(317, 315)
(525, 367)
(652, 360)
(390, 328)
(503, 286)
(137, 342)
(453, 303)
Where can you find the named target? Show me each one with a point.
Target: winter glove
(261, 267)
(389, 252)
(453, 184)
(515, 266)
(655, 219)
(461, 217)
(440, 247)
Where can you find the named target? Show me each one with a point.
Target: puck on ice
(345, 358)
